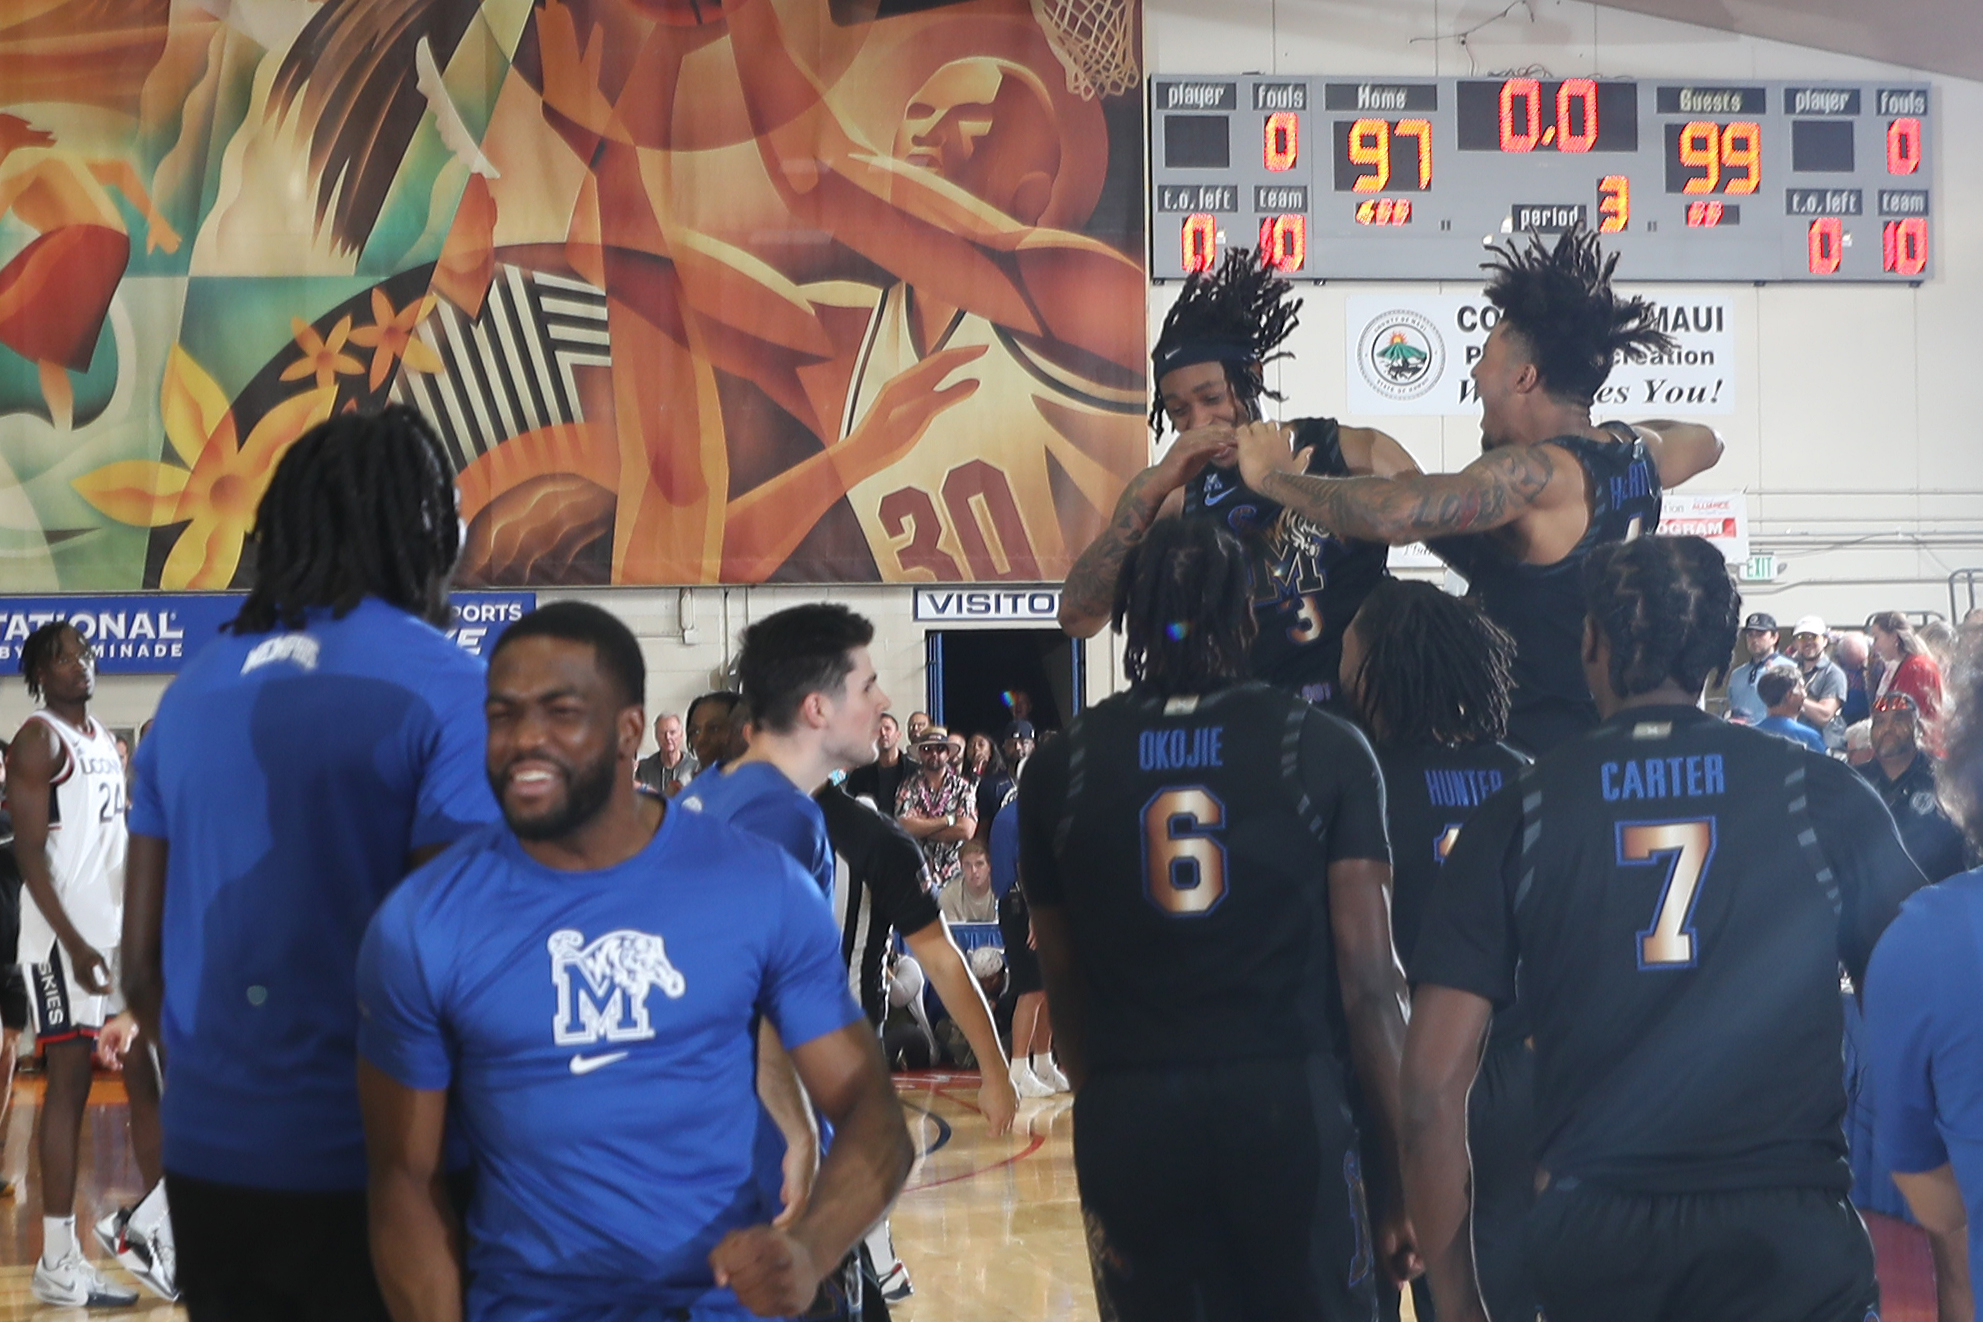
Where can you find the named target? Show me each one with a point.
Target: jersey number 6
(1184, 868)
(1687, 848)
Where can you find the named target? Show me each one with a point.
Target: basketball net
(1094, 42)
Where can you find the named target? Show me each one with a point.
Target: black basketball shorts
(1216, 1193)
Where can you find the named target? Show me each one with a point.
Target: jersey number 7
(1184, 866)
(1686, 848)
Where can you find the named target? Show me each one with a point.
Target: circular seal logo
(1401, 355)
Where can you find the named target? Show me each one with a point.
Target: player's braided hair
(38, 651)
(359, 506)
(1560, 301)
(1184, 604)
(1669, 609)
(1241, 303)
(1435, 669)
(1959, 775)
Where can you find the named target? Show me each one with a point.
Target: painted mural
(694, 290)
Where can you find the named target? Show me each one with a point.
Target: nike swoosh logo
(587, 1064)
(1211, 499)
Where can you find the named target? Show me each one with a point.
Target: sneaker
(895, 1285)
(153, 1260)
(1026, 1083)
(110, 1230)
(76, 1283)
(1049, 1073)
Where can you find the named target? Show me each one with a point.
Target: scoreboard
(1347, 178)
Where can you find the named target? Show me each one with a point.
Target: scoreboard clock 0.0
(1341, 177)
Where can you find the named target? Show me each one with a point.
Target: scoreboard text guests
(1401, 179)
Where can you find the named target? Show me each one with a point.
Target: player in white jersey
(66, 791)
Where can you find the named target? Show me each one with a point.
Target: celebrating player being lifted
(1209, 882)
(1679, 893)
(1551, 486)
(1209, 366)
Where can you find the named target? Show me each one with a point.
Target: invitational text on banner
(156, 633)
(1411, 353)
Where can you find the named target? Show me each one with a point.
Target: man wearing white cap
(1825, 685)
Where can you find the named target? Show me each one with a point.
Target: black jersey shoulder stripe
(1531, 788)
(1807, 831)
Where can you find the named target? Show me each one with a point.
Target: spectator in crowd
(1034, 1073)
(669, 767)
(1926, 1057)
(301, 766)
(1759, 635)
(1852, 650)
(936, 807)
(1020, 703)
(919, 721)
(709, 727)
(969, 899)
(1782, 692)
(1824, 683)
(979, 752)
(1939, 638)
(1905, 777)
(881, 780)
(1859, 743)
(1909, 667)
(1017, 745)
(995, 783)
(957, 746)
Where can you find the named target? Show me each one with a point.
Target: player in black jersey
(1427, 674)
(1208, 366)
(1551, 486)
(1679, 893)
(1209, 882)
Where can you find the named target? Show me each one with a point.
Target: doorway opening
(977, 675)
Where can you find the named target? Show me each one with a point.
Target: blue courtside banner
(156, 633)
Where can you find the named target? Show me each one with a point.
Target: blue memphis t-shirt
(1924, 1040)
(291, 774)
(759, 798)
(596, 1030)
(1787, 727)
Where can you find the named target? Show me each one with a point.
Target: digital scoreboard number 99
(1330, 177)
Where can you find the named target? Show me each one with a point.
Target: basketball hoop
(1094, 40)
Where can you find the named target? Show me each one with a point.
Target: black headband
(1189, 353)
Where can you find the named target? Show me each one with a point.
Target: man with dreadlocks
(1205, 863)
(66, 789)
(1679, 894)
(1551, 486)
(1209, 368)
(297, 770)
(1427, 674)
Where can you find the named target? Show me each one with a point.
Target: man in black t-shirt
(1679, 894)
(1428, 675)
(1208, 879)
(1904, 776)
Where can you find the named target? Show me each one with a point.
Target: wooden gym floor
(990, 1228)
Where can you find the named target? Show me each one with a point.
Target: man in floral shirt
(936, 806)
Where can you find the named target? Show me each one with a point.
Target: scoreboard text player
(1402, 179)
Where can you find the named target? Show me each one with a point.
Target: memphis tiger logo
(603, 987)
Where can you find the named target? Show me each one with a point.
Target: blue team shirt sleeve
(147, 816)
(400, 1026)
(783, 819)
(1907, 983)
(805, 993)
(454, 796)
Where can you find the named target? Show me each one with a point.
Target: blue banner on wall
(156, 633)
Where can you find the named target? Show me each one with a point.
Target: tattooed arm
(1088, 596)
(1495, 489)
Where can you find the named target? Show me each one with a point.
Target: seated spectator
(1905, 777)
(709, 727)
(1859, 743)
(1852, 649)
(969, 898)
(669, 767)
(1759, 635)
(1784, 699)
(1910, 668)
(1922, 987)
(1825, 686)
